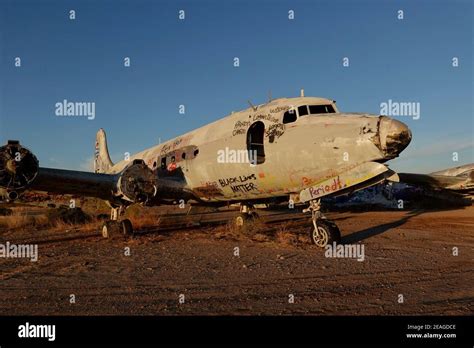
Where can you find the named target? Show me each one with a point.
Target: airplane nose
(394, 136)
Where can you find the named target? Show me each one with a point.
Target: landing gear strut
(323, 231)
(247, 214)
(114, 226)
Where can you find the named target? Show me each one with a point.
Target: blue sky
(190, 62)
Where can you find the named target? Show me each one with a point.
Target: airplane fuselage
(292, 144)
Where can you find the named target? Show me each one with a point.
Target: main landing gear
(247, 214)
(114, 226)
(323, 231)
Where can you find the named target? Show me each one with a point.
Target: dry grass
(255, 230)
(60, 225)
(20, 220)
(291, 233)
(228, 230)
(284, 235)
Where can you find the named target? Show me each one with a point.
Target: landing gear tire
(243, 219)
(107, 229)
(327, 233)
(126, 227)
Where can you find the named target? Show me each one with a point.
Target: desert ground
(188, 265)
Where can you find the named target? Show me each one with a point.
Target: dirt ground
(406, 253)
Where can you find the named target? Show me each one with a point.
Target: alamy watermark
(28, 330)
(393, 108)
(237, 156)
(345, 251)
(9, 250)
(68, 108)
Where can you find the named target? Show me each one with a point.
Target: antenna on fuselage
(253, 107)
(269, 96)
(302, 92)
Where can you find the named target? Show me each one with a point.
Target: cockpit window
(321, 109)
(303, 110)
(289, 116)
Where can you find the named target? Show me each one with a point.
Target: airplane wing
(454, 183)
(62, 181)
(19, 171)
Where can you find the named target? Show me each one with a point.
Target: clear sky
(190, 62)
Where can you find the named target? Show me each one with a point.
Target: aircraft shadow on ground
(376, 230)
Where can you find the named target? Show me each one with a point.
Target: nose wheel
(323, 231)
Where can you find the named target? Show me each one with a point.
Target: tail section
(102, 162)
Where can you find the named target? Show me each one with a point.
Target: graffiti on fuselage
(275, 131)
(236, 179)
(240, 127)
(279, 109)
(244, 188)
(241, 183)
(170, 146)
(324, 189)
(265, 117)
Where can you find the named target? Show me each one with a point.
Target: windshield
(315, 109)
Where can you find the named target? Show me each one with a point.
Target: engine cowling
(137, 182)
(18, 169)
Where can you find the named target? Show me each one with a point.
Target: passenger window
(289, 116)
(302, 110)
(163, 162)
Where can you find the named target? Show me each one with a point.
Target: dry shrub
(70, 216)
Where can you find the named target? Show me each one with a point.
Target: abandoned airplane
(300, 150)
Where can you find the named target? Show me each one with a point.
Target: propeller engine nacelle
(18, 169)
(137, 183)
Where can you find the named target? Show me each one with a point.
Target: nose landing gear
(323, 231)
